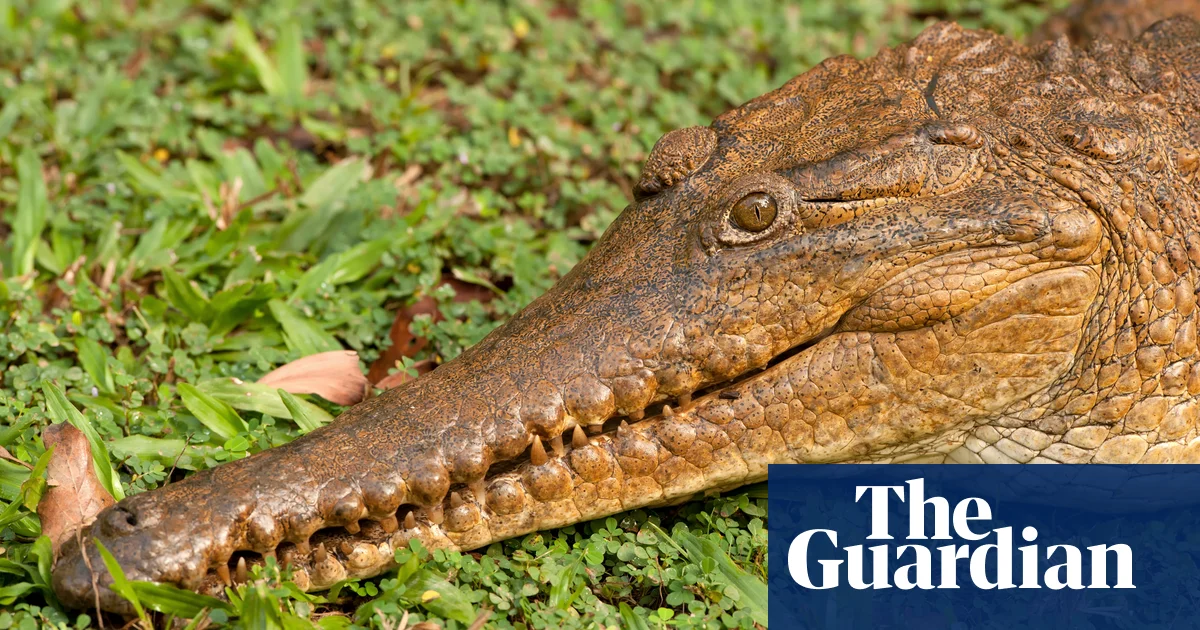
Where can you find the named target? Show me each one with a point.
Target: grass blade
(94, 360)
(360, 260)
(302, 335)
(165, 450)
(753, 590)
(151, 181)
(31, 212)
(246, 42)
(630, 619)
(450, 602)
(184, 295)
(121, 585)
(320, 204)
(219, 417)
(236, 305)
(333, 184)
(306, 421)
(561, 587)
(10, 594)
(293, 71)
(259, 398)
(170, 600)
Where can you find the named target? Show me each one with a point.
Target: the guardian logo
(984, 556)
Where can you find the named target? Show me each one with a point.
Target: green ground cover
(197, 190)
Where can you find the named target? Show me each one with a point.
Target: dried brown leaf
(404, 343)
(333, 376)
(4, 454)
(73, 495)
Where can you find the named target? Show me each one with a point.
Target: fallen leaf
(74, 495)
(404, 343)
(5, 455)
(334, 376)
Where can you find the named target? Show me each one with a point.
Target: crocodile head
(960, 250)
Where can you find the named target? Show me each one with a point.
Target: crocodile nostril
(120, 521)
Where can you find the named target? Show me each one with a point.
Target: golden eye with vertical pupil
(754, 212)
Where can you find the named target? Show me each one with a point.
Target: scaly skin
(979, 252)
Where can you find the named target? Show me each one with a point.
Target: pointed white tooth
(537, 452)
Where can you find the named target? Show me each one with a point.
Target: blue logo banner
(974, 547)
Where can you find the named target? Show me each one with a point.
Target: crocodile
(964, 249)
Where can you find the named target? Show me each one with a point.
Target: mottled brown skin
(1085, 21)
(961, 250)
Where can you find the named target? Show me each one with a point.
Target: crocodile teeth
(242, 576)
(455, 499)
(346, 548)
(410, 521)
(389, 524)
(622, 428)
(667, 412)
(637, 415)
(304, 548)
(685, 400)
(556, 445)
(437, 515)
(353, 527)
(327, 570)
(537, 453)
(479, 490)
(578, 438)
(223, 573)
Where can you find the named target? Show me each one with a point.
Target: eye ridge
(754, 212)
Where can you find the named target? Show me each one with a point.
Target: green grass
(189, 193)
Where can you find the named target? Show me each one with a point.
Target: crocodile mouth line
(338, 552)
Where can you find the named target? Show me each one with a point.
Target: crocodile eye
(754, 212)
